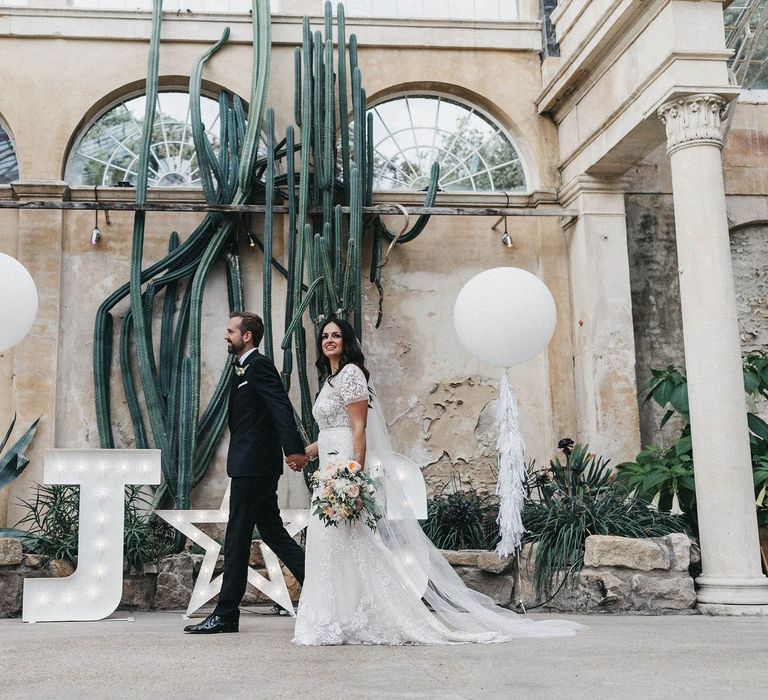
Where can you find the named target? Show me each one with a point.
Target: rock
(253, 596)
(492, 563)
(138, 592)
(572, 597)
(605, 589)
(294, 589)
(174, 582)
(256, 560)
(197, 561)
(61, 568)
(679, 545)
(500, 588)
(641, 554)
(462, 557)
(695, 554)
(34, 561)
(11, 551)
(11, 587)
(150, 568)
(525, 590)
(653, 592)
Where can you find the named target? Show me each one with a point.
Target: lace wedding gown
(377, 587)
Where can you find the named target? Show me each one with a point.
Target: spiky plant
(568, 502)
(324, 245)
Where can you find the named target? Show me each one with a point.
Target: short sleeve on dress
(352, 385)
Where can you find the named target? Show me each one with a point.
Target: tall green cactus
(325, 246)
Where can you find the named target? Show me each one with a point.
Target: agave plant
(568, 502)
(462, 519)
(12, 463)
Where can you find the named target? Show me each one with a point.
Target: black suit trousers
(253, 502)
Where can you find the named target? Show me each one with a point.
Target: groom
(261, 428)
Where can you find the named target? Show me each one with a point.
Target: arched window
(9, 165)
(413, 131)
(108, 152)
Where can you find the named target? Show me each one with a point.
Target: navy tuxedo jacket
(261, 422)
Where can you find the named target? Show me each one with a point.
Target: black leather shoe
(213, 624)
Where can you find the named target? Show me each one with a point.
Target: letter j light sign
(94, 590)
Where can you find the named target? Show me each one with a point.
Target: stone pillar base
(716, 609)
(730, 592)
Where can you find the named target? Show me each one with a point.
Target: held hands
(311, 451)
(296, 462)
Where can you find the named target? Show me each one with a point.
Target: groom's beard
(235, 348)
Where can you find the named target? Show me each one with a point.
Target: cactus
(325, 246)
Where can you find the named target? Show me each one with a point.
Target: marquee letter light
(94, 590)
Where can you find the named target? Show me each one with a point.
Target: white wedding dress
(391, 585)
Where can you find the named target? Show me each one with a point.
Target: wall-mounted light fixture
(506, 239)
(95, 234)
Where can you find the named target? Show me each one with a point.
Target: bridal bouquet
(345, 493)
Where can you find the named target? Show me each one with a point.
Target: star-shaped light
(206, 587)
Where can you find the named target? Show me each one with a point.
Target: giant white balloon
(504, 316)
(18, 301)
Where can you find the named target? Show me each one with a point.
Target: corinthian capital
(693, 118)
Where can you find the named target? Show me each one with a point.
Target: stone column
(731, 569)
(601, 319)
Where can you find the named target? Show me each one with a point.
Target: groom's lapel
(250, 357)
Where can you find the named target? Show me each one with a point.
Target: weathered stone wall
(438, 400)
(653, 253)
(655, 296)
(619, 575)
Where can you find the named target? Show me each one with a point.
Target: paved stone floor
(685, 656)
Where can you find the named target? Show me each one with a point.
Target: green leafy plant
(12, 463)
(569, 501)
(52, 517)
(145, 537)
(760, 474)
(462, 519)
(666, 476)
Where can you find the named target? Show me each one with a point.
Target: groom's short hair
(250, 322)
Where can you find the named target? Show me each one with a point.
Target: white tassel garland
(510, 449)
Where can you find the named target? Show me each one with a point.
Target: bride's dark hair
(351, 352)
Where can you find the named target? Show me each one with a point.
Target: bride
(389, 585)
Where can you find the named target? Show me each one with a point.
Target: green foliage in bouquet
(462, 519)
(346, 494)
(568, 502)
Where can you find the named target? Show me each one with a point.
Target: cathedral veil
(401, 493)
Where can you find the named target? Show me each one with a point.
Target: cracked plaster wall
(439, 401)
